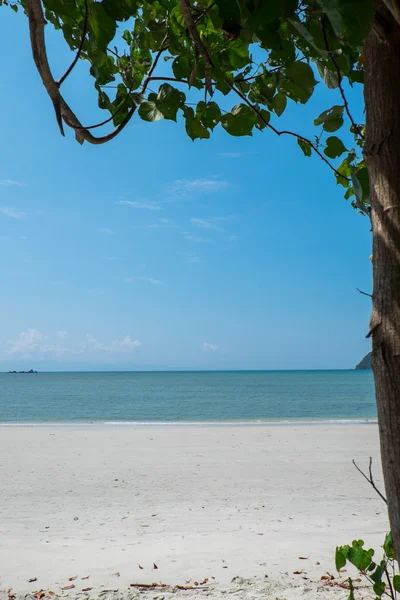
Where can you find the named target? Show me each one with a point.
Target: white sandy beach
(95, 502)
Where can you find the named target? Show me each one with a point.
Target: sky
(156, 252)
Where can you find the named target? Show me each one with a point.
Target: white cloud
(34, 343)
(29, 341)
(198, 239)
(9, 182)
(225, 219)
(10, 211)
(62, 334)
(233, 238)
(209, 347)
(135, 204)
(125, 345)
(147, 279)
(105, 230)
(205, 224)
(183, 188)
(150, 280)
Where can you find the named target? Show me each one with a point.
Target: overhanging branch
(72, 65)
(283, 132)
(200, 47)
(61, 107)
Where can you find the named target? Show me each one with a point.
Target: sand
(109, 504)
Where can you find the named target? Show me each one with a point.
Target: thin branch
(200, 47)
(62, 109)
(145, 84)
(370, 479)
(278, 132)
(392, 594)
(356, 127)
(204, 12)
(72, 65)
(274, 70)
(364, 293)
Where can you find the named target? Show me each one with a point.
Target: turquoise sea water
(165, 397)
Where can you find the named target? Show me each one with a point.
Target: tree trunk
(382, 153)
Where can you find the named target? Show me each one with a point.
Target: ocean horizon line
(182, 370)
(216, 423)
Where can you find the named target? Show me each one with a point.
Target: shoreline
(202, 424)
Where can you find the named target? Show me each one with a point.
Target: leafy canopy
(177, 59)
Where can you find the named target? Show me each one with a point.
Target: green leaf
(331, 119)
(356, 185)
(302, 77)
(351, 593)
(305, 33)
(194, 128)
(148, 111)
(357, 555)
(343, 171)
(351, 19)
(334, 147)
(279, 103)
(388, 546)
(379, 588)
(209, 114)
(329, 77)
(263, 119)
(169, 100)
(396, 583)
(101, 25)
(230, 15)
(341, 556)
(305, 146)
(240, 121)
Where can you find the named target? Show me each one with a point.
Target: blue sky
(156, 252)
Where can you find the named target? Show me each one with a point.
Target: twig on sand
(370, 479)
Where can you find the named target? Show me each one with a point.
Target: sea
(213, 397)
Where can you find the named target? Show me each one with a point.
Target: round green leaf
(148, 111)
(334, 147)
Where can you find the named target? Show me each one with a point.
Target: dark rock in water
(19, 372)
(366, 362)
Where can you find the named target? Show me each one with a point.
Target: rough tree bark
(382, 153)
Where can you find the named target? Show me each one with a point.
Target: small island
(18, 372)
(365, 363)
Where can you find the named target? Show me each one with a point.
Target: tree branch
(370, 479)
(200, 47)
(145, 84)
(72, 65)
(284, 132)
(62, 109)
(364, 293)
(204, 12)
(340, 78)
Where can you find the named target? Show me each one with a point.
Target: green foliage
(381, 575)
(298, 45)
(334, 147)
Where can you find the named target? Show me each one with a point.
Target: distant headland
(30, 371)
(366, 362)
